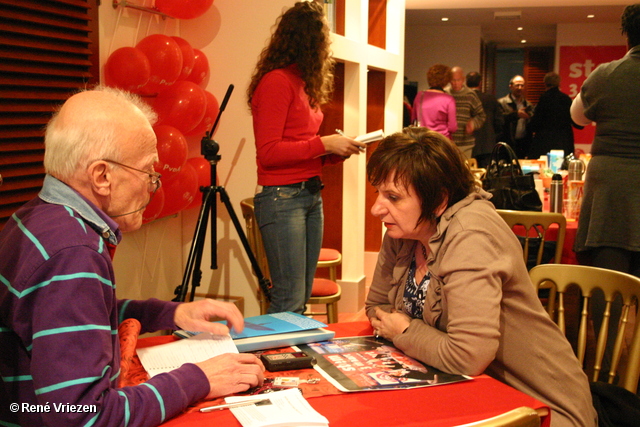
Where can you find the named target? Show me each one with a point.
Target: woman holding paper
(293, 78)
(451, 288)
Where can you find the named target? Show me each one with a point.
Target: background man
(517, 112)
(469, 113)
(59, 314)
(551, 126)
(486, 135)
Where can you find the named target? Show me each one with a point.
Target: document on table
(167, 357)
(280, 408)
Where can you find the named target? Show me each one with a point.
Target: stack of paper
(277, 409)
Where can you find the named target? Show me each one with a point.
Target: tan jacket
(482, 313)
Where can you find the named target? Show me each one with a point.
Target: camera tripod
(209, 149)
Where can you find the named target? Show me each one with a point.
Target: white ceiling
(538, 23)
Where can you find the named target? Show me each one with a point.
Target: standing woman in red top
(293, 78)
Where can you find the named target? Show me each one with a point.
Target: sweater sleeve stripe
(66, 329)
(60, 278)
(30, 236)
(160, 400)
(123, 308)
(127, 411)
(70, 383)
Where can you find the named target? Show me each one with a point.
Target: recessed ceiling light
(591, 16)
(520, 28)
(445, 19)
(523, 41)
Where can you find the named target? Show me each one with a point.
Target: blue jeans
(291, 221)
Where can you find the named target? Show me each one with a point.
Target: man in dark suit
(517, 112)
(486, 135)
(552, 125)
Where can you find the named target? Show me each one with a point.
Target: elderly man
(469, 113)
(59, 314)
(517, 113)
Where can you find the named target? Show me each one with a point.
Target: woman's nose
(377, 209)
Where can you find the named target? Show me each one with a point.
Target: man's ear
(100, 178)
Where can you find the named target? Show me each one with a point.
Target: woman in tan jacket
(451, 288)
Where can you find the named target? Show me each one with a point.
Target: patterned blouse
(414, 293)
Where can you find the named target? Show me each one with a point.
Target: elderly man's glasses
(154, 177)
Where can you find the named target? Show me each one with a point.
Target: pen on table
(233, 405)
(339, 132)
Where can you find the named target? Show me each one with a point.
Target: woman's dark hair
(630, 22)
(426, 160)
(438, 76)
(301, 38)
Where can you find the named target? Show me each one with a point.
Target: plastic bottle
(556, 194)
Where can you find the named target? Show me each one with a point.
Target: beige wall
(425, 46)
(150, 262)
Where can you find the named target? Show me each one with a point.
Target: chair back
(535, 224)
(519, 417)
(611, 283)
(254, 236)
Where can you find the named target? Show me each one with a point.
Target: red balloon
(153, 209)
(210, 114)
(165, 58)
(203, 171)
(188, 57)
(200, 73)
(180, 191)
(127, 68)
(184, 9)
(181, 105)
(172, 150)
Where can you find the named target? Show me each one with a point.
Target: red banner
(576, 63)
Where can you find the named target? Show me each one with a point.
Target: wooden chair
(611, 283)
(519, 417)
(325, 291)
(526, 223)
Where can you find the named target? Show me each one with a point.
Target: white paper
(285, 408)
(167, 357)
(370, 137)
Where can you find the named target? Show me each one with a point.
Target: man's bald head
(95, 124)
(457, 79)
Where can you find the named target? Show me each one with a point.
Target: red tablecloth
(439, 406)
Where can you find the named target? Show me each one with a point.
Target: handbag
(505, 181)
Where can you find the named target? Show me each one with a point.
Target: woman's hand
(389, 325)
(341, 145)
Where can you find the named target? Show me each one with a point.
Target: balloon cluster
(171, 76)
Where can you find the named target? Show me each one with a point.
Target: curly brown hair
(438, 76)
(301, 38)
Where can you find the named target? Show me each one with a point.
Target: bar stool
(331, 259)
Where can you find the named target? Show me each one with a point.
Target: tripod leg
(195, 253)
(265, 284)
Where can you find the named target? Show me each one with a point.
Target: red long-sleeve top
(288, 148)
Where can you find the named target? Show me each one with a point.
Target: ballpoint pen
(234, 405)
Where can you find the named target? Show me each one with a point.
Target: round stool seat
(324, 287)
(327, 254)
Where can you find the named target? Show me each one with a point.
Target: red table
(441, 406)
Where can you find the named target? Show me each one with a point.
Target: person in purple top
(59, 315)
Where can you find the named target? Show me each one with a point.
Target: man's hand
(196, 316)
(523, 114)
(232, 373)
(388, 325)
(470, 127)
